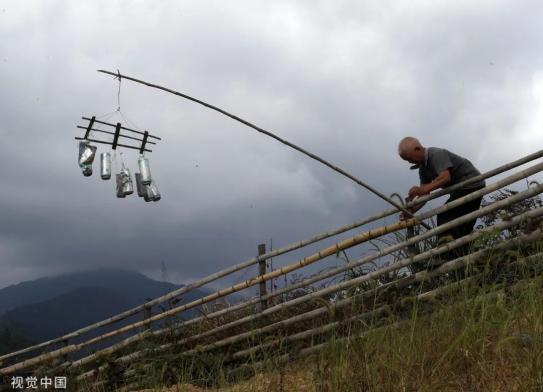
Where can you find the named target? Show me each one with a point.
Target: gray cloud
(344, 79)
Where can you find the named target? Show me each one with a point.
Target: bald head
(411, 150)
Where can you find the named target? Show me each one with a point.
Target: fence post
(262, 271)
(146, 315)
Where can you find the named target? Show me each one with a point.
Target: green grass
(486, 336)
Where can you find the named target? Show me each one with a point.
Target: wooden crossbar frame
(117, 134)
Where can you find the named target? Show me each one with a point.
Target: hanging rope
(119, 91)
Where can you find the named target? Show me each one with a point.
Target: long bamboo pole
(456, 243)
(428, 234)
(283, 250)
(335, 168)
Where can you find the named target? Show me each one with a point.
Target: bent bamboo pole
(285, 249)
(317, 158)
(433, 252)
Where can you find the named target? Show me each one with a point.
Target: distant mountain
(129, 283)
(46, 308)
(65, 313)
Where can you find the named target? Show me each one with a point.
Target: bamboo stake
(285, 249)
(456, 243)
(335, 168)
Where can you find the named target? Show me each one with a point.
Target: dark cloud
(342, 79)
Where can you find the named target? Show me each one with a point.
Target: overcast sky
(344, 79)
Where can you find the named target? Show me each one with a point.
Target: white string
(122, 160)
(132, 124)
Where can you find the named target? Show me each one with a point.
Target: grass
(486, 337)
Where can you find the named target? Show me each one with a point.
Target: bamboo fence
(278, 252)
(269, 326)
(514, 221)
(319, 255)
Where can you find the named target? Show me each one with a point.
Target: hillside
(491, 343)
(131, 284)
(45, 308)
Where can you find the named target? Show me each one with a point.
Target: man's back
(439, 159)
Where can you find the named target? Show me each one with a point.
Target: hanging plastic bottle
(128, 186)
(119, 185)
(86, 157)
(124, 184)
(105, 165)
(142, 191)
(145, 170)
(153, 193)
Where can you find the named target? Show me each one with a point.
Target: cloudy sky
(344, 79)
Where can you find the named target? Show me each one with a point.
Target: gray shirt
(439, 159)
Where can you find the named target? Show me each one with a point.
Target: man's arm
(439, 182)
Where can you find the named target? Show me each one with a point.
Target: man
(440, 168)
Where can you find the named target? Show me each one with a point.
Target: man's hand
(403, 215)
(412, 209)
(418, 191)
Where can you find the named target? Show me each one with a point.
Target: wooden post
(146, 315)
(262, 271)
(413, 249)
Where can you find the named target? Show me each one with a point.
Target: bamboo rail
(520, 196)
(426, 296)
(436, 251)
(370, 276)
(286, 249)
(356, 240)
(419, 277)
(307, 351)
(306, 261)
(347, 243)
